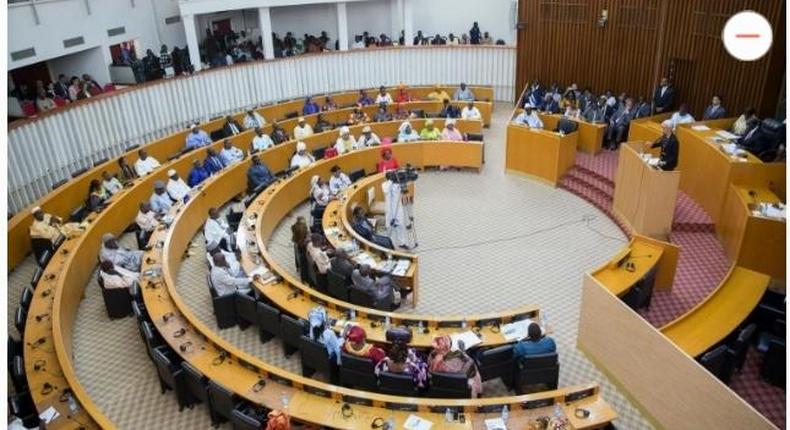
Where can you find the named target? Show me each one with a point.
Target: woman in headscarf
(444, 359)
(301, 158)
(127, 258)
(96, 196)
(322, 333)
(278, 420)
(429, 132)
(345, 142)
(406, 133)
(388, 161)
(402, 96)
(402, 359)
(356, 344)
(450, 132)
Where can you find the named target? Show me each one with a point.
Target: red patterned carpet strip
(701, 267)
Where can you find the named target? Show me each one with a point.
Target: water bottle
(463, 324)
(387, 321)
(505, 413)
(72, 404)
(557, 411)
(448, 415)
(390, 424)
(353, 314)
(284, 399)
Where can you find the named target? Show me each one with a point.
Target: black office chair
(142, 238)
(137, 296)
(777, 332)
(39, 246)
(224, 306)
(37, 274)
(316, 279)
(496, 363)
(338, 286)
(248, 417)
(774, 366)
(291, 115)
(246, 310)
(45, 257)
(268, 321)
(291, 332)
(357, 372)
(216, 135)
(196, 385)
(222, 402)
(140, 314)
(474, 137)
(639, 296)
(26, 298)
(449, 386)
(740, 346)
(20, 318)
(356, 175)
(234, 219)
(318, 153)
(21, 405)
(117, 301)
(171, 375)
(717, 361)
(315, 358)
(18, 376)
(15, 348)
(79, 214)
(151, 338)
(539, 372)
(397, 384)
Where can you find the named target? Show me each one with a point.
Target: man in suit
(596, 111)
(669, 147)
(61, 87)
(341, 264)
(618, 125)
(642, 108)
(664, 97)
(715, 110)
(231, 127)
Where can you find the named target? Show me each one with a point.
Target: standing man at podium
(669, 147)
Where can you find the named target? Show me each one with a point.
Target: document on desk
(653, 162)
(700, 127)
(516, 330)
(365, 258)
(401, 267)
(726, 135)
(495, 424)
(469, 338)
(413, 422)
(49, 415)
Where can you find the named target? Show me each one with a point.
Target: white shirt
(225, 283)
(144, 167)
(473, 113)
(230, 156)
(256, 120)
(364, 142)
(677, 119)
(177, 189)
(300, 133)
(113, 185)
(321, 195)
(386, 98)
(532, 120)
(233, 263)
(343, 146)
(262, 142)
(215, 230)
(339, 183)
(146, 221)
(301, 160)
(123, 279)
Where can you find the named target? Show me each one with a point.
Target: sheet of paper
(469, 338)
(495, 424)
(516, 330)
(774, 211)
(700, 127)
(727, 135)
(413, 422)
(401, 267)
(49, 414)
(653, 162)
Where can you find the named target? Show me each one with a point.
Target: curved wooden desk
(645, 254)
(590, 135)
(309, 400)
(539, 154)
(71, 195)
(647, 129)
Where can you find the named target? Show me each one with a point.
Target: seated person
(145, 164)
(535, 343)
(261, 141)
(232, 258)
(364, 99)
(682, 116)
(321, 332)
(231, 127)
(445, 360)
(669, 147)
(449, 110)
(619, 123)
(196, 138)
(302, 130)
(278, 134)
(382, 114)
(572, 112)
(217, 232)
(715, 110)
(345, 143)
(450, 132)
(146, 219)
(383, 97)
(230, 154)
(367, 139)
(320, 193)
(402, 359)
(127, 172)
(551, 103)
(328, 105)
(470, 111)
(356, 344)
(742, 124)
(596, 111)
(380, 288)
(160, 200)
(763, 138)
(213, 163)
(402, 95)
(176, 187)
(111, 250)
(341, 264)
(110, 183)
(315, 249)
(322, 125)
(113, 276)
(357, 116)
(429, 132)
(529, 118)
(569, 100)
(642, 108)
(301, 158)
(437, 94)
(258, 174)
(406, 133)
(360, 223)
(387, 162)
(310, 107)
(198, 174)
(253, 120)
(50, 227)
(225, 282)
(97, 195)
(464, 94)
(339, 181)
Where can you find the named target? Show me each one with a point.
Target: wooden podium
(539, 154)
(644, 196)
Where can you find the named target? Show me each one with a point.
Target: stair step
(585, 183)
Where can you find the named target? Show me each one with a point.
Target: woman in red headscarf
(388, 161)
(356, 344)
(444, 359)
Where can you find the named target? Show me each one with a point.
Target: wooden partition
(643, 254)
(539, 154)
(647, 129)
(590, 135)
(668, 386)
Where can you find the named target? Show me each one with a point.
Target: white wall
(373, 16)
(169, 34)
(81, 62)
(457, 16)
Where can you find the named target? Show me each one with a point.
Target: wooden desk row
(309, 400)
(636, 260)
(539, 153)
(63, 200)
(590, 135)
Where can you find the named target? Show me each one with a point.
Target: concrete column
(408, 22)
(190, 29)
(342, 27)
(266, 32)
